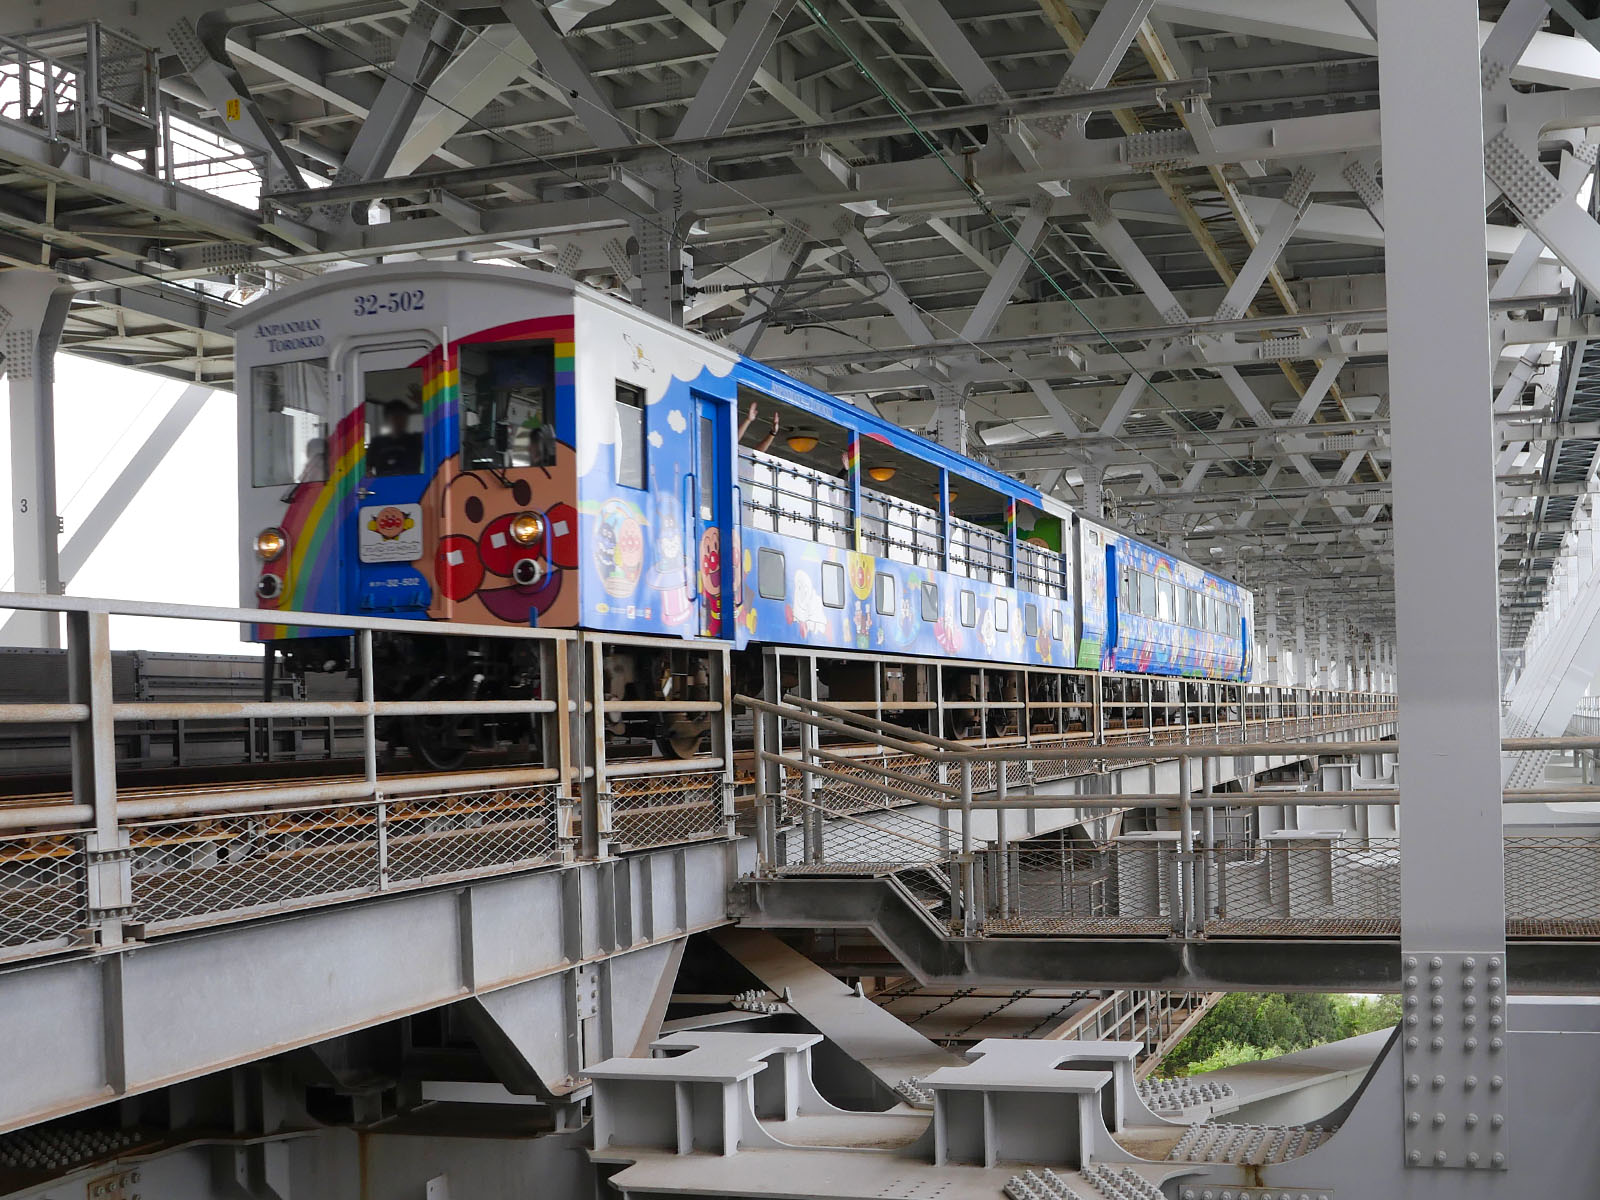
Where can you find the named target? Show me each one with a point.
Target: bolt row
(914, 1093)
(1247, 1144)
(58, 1149)
(1170, 1094)
(1043, 1184)
(1123, 1185)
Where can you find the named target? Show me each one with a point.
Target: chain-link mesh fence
(1553, 886)
(43, 892)
(195, 869)
(874, 843)
(1119, 888)
(667, 809)
(192, 867)
(468, 832)
(1311, 885)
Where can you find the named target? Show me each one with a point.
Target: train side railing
(940, 830)
(105, 865)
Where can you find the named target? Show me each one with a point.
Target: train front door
(710, 500)
(387, 386)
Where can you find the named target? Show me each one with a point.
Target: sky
(177, 540)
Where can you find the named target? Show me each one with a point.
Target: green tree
(1266, 1024)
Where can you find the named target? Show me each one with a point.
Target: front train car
(417, 442)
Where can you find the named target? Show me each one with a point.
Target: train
(454, 441)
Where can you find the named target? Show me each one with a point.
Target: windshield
(289, 423)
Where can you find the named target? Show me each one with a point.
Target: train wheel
(439, 743)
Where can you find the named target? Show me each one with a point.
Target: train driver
(397, 450)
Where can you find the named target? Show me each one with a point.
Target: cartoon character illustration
(638, 356)
(390, 522)
(946, 631)
(986, 632)
(711, 580)
(861, 569)
(861, 622)
(806, 610)
(479, 560)
(905, 626)
(619, 549)
(669, 574)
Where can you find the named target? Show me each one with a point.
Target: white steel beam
(1452, 890)
(1107, 41)
(560, 62)
(33, 308)
(1011, 272)
(729, 76)
(91, 531)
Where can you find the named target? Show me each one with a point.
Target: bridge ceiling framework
(1165, 301)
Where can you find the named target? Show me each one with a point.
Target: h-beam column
(33, 309)
(1452, 887)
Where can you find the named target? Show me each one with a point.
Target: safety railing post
(969, 897)
(595, 810)
(108, 849)
(369, 716)
(722, 732)
(810, 825)
(381, 825)
(561, 728)
(1181, 900)
(1207, 858)
(1002, 843)
(766, 814)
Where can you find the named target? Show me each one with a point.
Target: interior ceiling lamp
(881, 474)
(803, 442)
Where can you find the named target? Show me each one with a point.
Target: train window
(1191, 609)
(930, 601)
(1056, 624)
(1002, 614)
(1129, 591)
(770, 574)
(1147, 594)
(886, 595)
(833, 584)
(630, 435)
(289, 421)
(969, 608)
(393, 402)
(507, 405)
(707, 466)
(1030, 620)
(1164, 605)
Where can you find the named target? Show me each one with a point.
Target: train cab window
(886, 595)
(833, 584)
(290, 416)
(1002, 614)
(930, 601)
(393, 399)
(969, 608)
(1030, 620)
(1057, 625)
(770, 574)
(630, 435)
(508, 405)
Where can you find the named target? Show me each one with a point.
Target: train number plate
(391, 533)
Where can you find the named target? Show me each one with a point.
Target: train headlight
(270, 543)
(527, 528)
